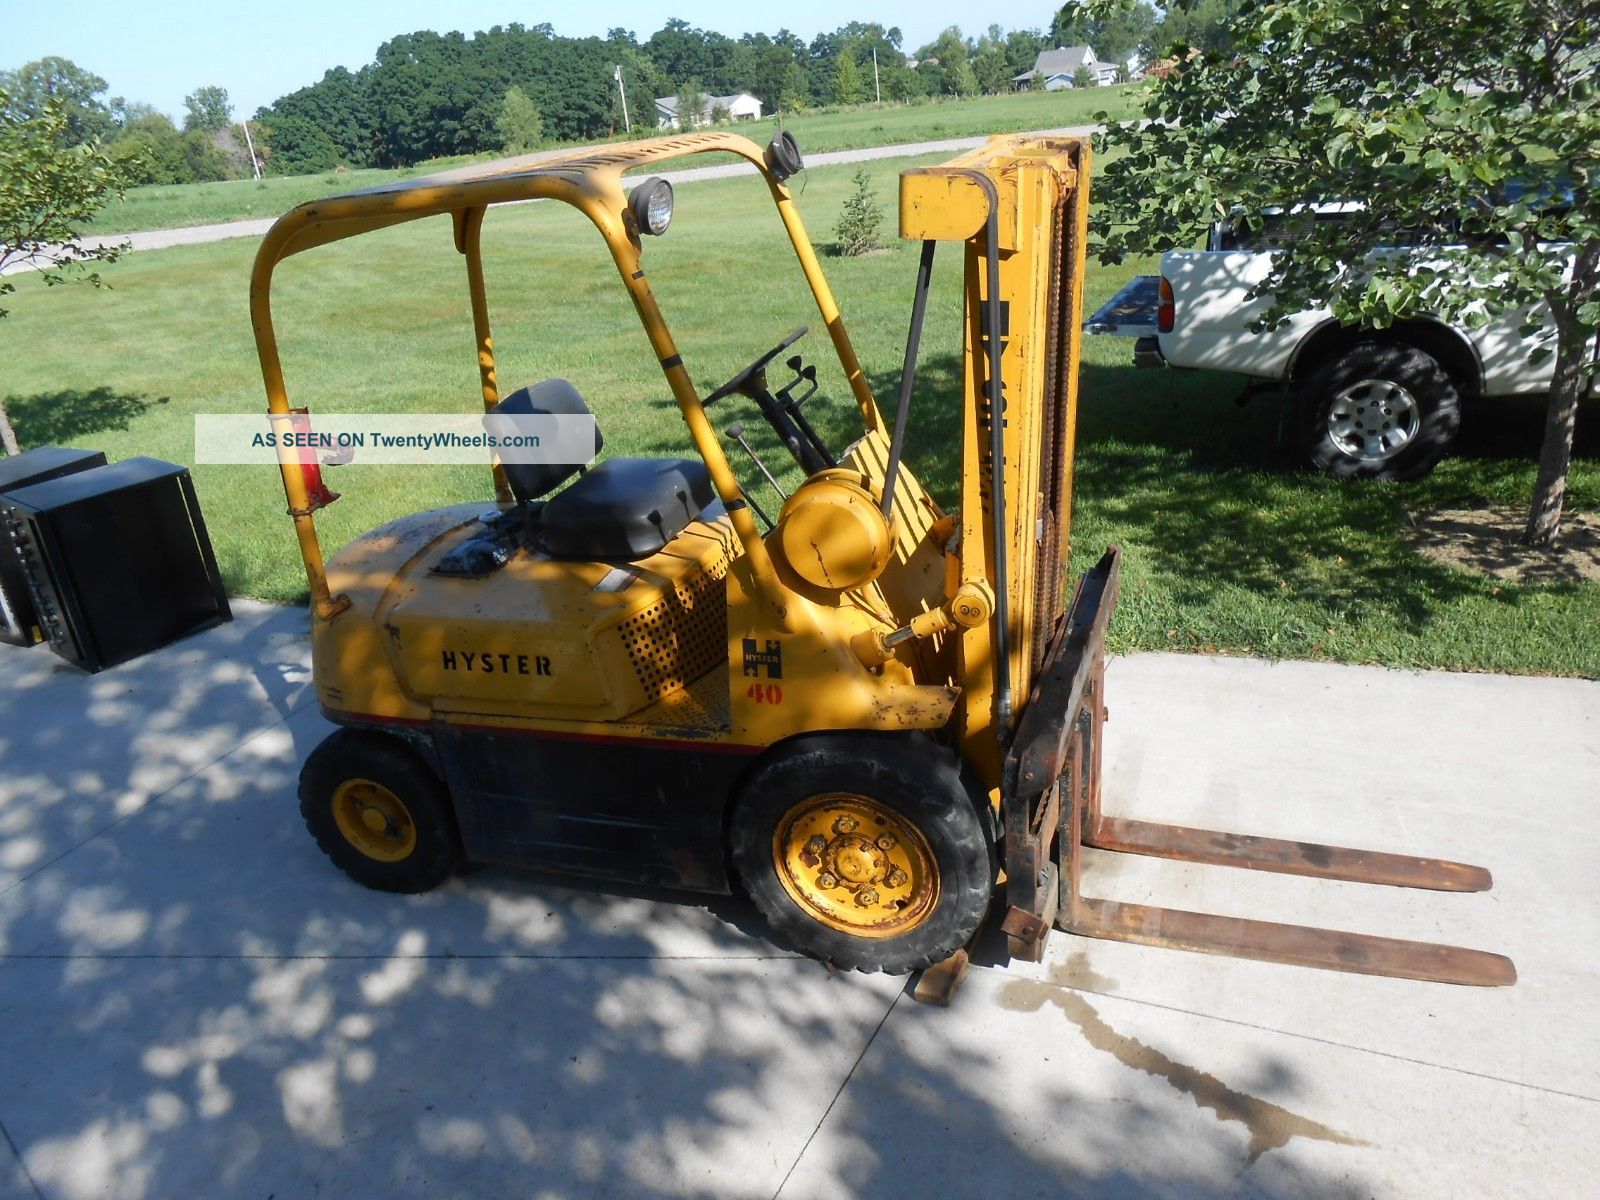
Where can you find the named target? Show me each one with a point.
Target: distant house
(1059, 68)
(740, 107)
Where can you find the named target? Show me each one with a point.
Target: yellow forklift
(875, 716)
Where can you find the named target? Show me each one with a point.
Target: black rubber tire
(919, 780)
(349, 753)
(1438, 404)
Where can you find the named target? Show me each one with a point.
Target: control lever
(736, 432)
(791, 403)
(802, 374)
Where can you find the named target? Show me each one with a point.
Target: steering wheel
(741, 381)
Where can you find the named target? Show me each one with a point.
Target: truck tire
(868, 853)
(1378, 410)
(379, 812)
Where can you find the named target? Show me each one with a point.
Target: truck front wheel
(1378, 411)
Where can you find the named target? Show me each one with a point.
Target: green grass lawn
(1229, 547)
(177, 205)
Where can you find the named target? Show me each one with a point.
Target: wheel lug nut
(867, 896)
(816, 845)
(896, 878)
(845, 825)
(886, 842)
(827, 880)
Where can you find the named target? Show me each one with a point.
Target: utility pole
(627, 125)
(876, 90)
(255, 163)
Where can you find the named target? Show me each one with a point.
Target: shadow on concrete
(197, 1003)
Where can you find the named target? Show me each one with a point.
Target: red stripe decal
(705, 747)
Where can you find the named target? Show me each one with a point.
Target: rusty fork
(1053, 811)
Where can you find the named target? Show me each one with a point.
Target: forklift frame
(1020, 206)
(592, 182)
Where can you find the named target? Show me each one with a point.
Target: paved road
(159, 239)
(194, 1003)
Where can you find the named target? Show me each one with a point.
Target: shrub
(857, 230)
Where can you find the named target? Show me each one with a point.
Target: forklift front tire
(866, 852)
(379, 812)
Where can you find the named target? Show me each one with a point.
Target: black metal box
(117, 559)
(19, 624)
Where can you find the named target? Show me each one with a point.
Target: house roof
(669, 104)
(1060, 61)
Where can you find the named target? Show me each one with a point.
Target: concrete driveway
(193, 1003)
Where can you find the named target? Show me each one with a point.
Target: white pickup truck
(1369, 404)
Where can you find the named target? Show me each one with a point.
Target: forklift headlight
(651, 203)
(783, 156)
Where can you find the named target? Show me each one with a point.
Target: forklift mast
(1032, 680)
(1020, 208)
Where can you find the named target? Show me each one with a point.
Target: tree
(906, 84)
(296, 146)
(860, 219)
(846, 79)
(680, 51)
(950, 72)
(1022, 51)
(75, 92)
(795, 89)
(150, 148)
(337, 104)
(520, 127)
(1114, 33)
(991, 66)
(47, 191)
(207, 109)
(1204, 24)
(771, 79)
(691, 104)
(961, 81)
(205, 160)
(1474, 125)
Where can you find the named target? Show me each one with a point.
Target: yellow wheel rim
(373, 820)
(856, 866)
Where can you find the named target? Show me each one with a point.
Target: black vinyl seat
(621, 510)
(625, 508)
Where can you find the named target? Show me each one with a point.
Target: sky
(159, 51)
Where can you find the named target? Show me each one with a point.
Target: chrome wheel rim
(1372, 420)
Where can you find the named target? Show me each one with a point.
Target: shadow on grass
(47, 418)
(1232, 543)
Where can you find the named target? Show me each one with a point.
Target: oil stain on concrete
(1269, 1125)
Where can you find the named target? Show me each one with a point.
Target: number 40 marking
(765, 693)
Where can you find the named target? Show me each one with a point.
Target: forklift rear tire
(866, 852)
(379, 812)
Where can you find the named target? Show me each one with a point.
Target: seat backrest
(552, 398)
